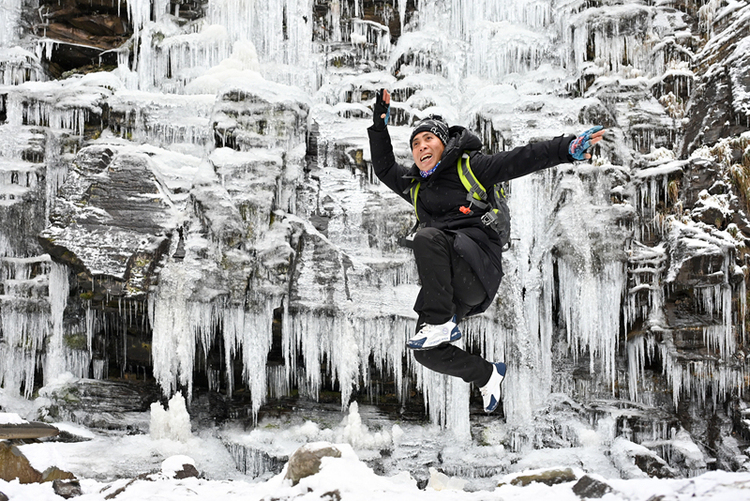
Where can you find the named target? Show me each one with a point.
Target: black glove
(378, 121)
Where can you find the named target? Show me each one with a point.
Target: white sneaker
(432, 336)
(491, 391)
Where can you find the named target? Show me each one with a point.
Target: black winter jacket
(442, 194)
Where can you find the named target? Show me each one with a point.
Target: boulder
(306, 460)
(179, 467)
(636, 461)
(67, 488)
(589, 487)
(259, 115)
(548, 477)
(14, 465)
(55, 474)
(654, 466)
(439, 481)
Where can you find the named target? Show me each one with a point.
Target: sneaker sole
(443, 343)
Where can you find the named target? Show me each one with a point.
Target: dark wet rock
(67, 488)
(187, 471)
(85, 34)
(720, 105)
(589, 487)
(654, 466)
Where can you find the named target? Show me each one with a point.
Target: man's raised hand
(381, 112)
(579, 146)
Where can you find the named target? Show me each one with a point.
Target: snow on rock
(179, 466)
(306, 460)
(11, 418)
(442, 482)
(636, 461)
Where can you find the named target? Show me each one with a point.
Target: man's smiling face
(427, 149)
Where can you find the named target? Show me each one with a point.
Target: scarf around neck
(427, 174)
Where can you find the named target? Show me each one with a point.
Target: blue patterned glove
(580, 144)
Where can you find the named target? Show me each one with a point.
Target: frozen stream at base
(135, 467)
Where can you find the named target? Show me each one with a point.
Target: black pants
(449, 287)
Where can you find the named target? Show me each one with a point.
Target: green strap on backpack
(497, 215)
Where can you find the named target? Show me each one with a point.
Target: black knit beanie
(434, 124)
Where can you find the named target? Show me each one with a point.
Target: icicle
(330, 337)
(251, 331)
(447, 400)
(706, 15)
(348, 344)
(171, 314)
(281, 32)
(18, 66)
(645, 270)
(402, 13)
(699, 378)
(25, 320)
(590, 306)
(636, 362)
(58, 299)
(527, 294)
(100, 369)
(77, 362)
(10, 16)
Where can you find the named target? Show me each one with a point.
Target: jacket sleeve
(520, 161)
(384, 162)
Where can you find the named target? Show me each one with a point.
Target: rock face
(104, 404)
(113, 220)
(203, 217)
(82, 34)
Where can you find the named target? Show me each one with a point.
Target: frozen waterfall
(210, 198)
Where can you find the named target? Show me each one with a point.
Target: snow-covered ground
(125, 466)
(348, 475)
